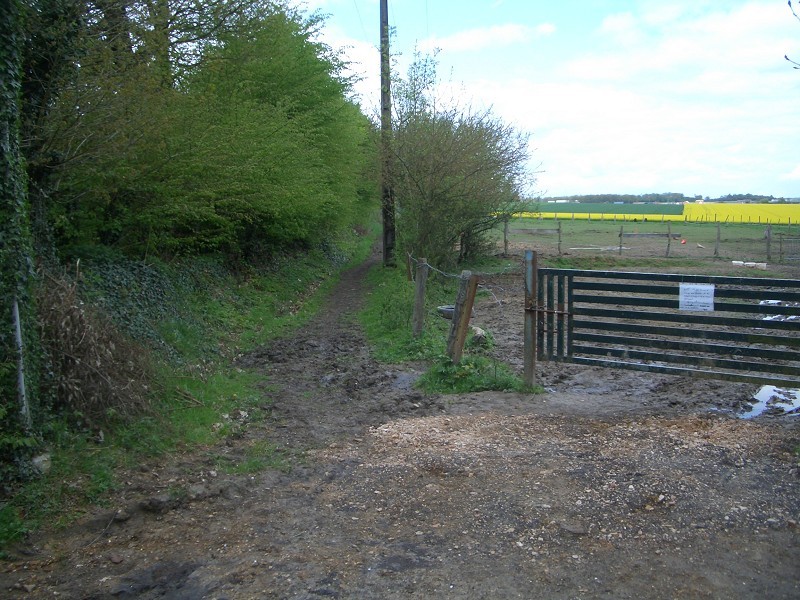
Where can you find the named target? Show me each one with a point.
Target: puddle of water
(771, 397)
(405, 381)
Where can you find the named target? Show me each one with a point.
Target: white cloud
(793, 175)
(676, 95)
(600, 138)
(623, 28)
(662, 15)
(751, 37)
(482, 38)
(545, 29)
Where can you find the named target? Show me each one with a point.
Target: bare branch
(791, 8)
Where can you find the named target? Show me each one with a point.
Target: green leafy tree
(98, 76)
(267, 150)
(458, 172)
(229, 130)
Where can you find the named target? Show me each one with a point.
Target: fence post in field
(716, 245)
(531, 282)
(559, 238)
(768, 235)
(505, 238)
(620, 239)
(669, 238)
(419, 297)
(467, 288)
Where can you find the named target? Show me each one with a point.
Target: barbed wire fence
(503, 288)
(489, 288)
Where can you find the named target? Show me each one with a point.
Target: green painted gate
(734, 328)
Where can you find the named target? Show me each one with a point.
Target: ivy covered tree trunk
(16, 264)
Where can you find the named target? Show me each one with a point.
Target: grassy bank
(192, 318)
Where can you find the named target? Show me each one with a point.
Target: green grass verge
(616, 263)
(387, 322)
(387, 317)
(474, 373)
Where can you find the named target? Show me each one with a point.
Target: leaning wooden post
(716, 244)
(620, 239)
(419, 297)
(531, 277)
(461, 315)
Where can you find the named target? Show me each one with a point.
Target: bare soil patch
(611, 484)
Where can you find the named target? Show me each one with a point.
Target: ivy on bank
(16, 254)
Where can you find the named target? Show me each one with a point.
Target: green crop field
(597, 208)
(695, 243)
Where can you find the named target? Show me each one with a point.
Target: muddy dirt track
(612, 484)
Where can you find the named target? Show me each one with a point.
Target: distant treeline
(665, 197)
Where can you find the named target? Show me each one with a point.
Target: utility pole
(387, 193)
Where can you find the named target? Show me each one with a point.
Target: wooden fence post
(461, 315)
(505, 238)
(716, 245)
(419, 297)
(531, 282)
(768, 235)
(620, 239)
(669, 238)
(559, 238)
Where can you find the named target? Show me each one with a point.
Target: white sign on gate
(697, 296)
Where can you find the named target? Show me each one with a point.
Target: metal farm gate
(734, 328)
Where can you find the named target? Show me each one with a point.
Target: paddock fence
(744, 244)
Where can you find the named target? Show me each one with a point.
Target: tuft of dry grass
(97, 372)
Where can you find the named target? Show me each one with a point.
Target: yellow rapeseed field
(784, 214)
(710, 212)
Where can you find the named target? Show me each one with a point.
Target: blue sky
(624, 96)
